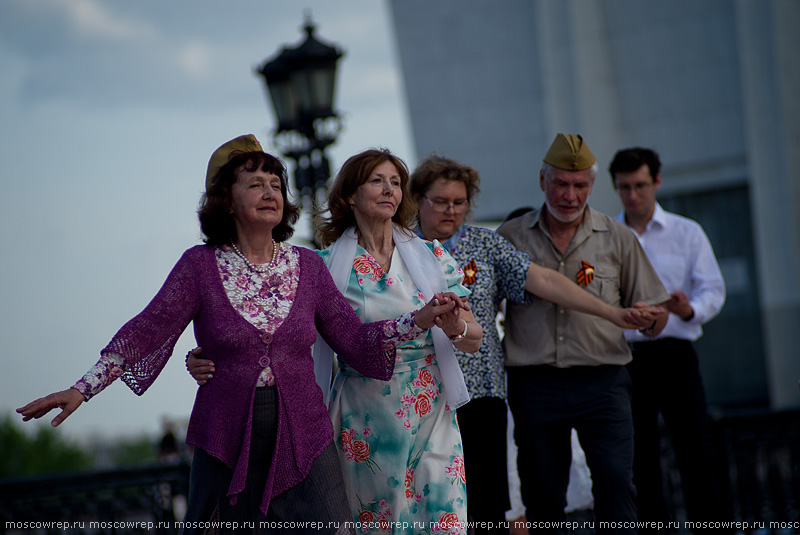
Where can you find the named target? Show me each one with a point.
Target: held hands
(67, 400)
(659, 321)
(640, 316)
(459, 325)
(443, 309)
(451, 322)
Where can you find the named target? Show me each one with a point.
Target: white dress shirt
(682, 256)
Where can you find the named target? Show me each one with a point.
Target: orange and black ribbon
(585, 274)
(470, 272)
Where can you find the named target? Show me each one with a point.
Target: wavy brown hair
(355, 172)
(216, 219)
(434, 167)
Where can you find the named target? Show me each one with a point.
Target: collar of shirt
(659, 218)
(589, 225)
(451, 243)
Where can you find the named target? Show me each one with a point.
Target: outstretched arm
(553, 286)
(102, 374)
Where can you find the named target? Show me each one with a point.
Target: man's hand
(202, 370)
(659, 321)
(679, 305)
(636, 317)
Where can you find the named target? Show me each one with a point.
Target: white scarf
(426, 272)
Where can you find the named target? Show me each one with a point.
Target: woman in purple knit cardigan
(261, 432)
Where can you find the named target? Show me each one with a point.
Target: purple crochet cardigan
(222, 416)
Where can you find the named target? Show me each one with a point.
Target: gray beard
(561, 218)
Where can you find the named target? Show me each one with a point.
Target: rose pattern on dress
(449, 523)
(376, 515)
(413, 447)
(357, 450)
(456, 470)
(364, 264)
(423, 390)
(410, 489)
(409, 483)
(422, 404)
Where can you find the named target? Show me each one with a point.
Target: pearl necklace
(263, 268)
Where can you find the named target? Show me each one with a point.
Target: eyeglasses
(459, 207)
(626, 189)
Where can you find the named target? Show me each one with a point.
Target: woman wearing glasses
(493, 270)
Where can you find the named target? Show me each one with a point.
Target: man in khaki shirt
(567, 369)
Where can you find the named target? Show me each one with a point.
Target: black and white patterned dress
(493, 270)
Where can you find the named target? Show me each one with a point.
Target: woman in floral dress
(399, 442)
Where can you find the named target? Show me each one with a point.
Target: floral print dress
(398, 440)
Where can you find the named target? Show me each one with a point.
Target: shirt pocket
(606, 288)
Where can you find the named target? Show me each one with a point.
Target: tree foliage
(44, 450)
(134, 450)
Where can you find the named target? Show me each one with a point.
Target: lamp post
(300, 82)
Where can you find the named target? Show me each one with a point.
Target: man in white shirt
(665, 373)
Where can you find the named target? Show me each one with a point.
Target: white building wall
(769, 44)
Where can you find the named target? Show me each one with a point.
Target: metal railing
(131, 500)
(758, 469)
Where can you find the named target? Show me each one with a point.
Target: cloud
(91, 19)
(195, 59)
(43, 25)
(181, 54)
(92, 54)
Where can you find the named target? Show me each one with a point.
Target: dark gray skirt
(320, 497)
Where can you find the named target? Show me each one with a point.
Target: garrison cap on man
(570, 153)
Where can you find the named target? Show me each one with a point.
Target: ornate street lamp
(300, 82)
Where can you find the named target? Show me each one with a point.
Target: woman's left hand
(460, 321)
(441, 303)
(451, 322)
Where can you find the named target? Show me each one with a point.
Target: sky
(109, 112)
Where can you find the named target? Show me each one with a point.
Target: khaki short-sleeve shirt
(545, 333)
